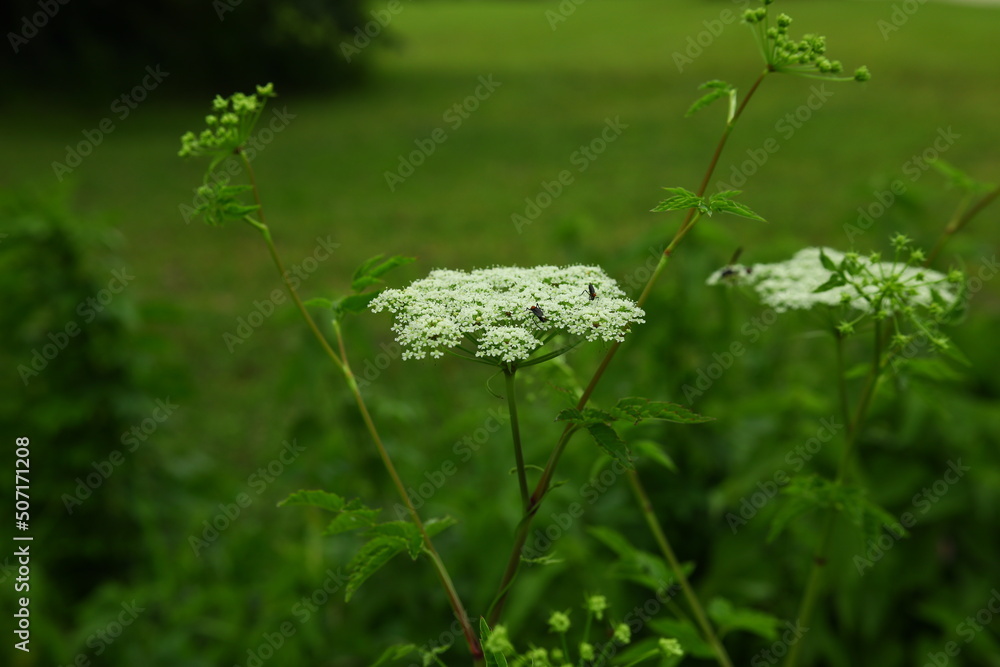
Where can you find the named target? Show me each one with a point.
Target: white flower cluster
(506, 313)
(792, 284)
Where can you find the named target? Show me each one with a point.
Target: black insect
(731, 270)
(537, 312)
(591, 291)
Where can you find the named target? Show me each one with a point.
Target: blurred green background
(323, 180)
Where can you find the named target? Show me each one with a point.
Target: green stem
(661, 539)
(342, 363)
(956, 224)
(520, 536)
(818, 569)
(515, 434)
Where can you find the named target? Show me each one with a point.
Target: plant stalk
(515, 433)
(342, 363)
(542, 487)
(818, 569)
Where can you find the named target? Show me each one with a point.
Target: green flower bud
(596, 604)
(586, 651)
(670, 647)
(862, 74)
(559, 622)
(623, 635)
(784, 20)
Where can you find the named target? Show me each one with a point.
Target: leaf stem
(956, 225)
(342, 363)
(515, 434)
(661, 539)
(818, 569)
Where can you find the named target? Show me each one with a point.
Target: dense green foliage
(767, 382)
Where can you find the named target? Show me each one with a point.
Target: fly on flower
(591, 291)
(537, 312)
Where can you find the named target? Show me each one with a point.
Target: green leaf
(493, 658)
(636, 409)
(959, 178)
(680, 200)
(372, 270)
(656, 453)
(370, 558)
(319, 302)
(729, 618)
(355, 303)
(836, 280)
(931, 368)
(608, 440)
(641, 567)
(717, 90)
(724, 203)
(827, 262)
(393, 653)
(351, 514)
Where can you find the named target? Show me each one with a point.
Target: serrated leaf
(656, 453)
(717, 90)
(585, 416)
(729, 618)
(613, 540)
(351, 514)
(680, 200)
(725, 202)
(608, 440)
(641, 567)
(402, 530)
(396, 652)
(321, 499)
(370, 558)
(636, 409)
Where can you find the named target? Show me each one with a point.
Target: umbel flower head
(823, 276)
(505, 314)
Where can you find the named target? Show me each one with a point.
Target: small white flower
(792, 284)
(506, 313)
